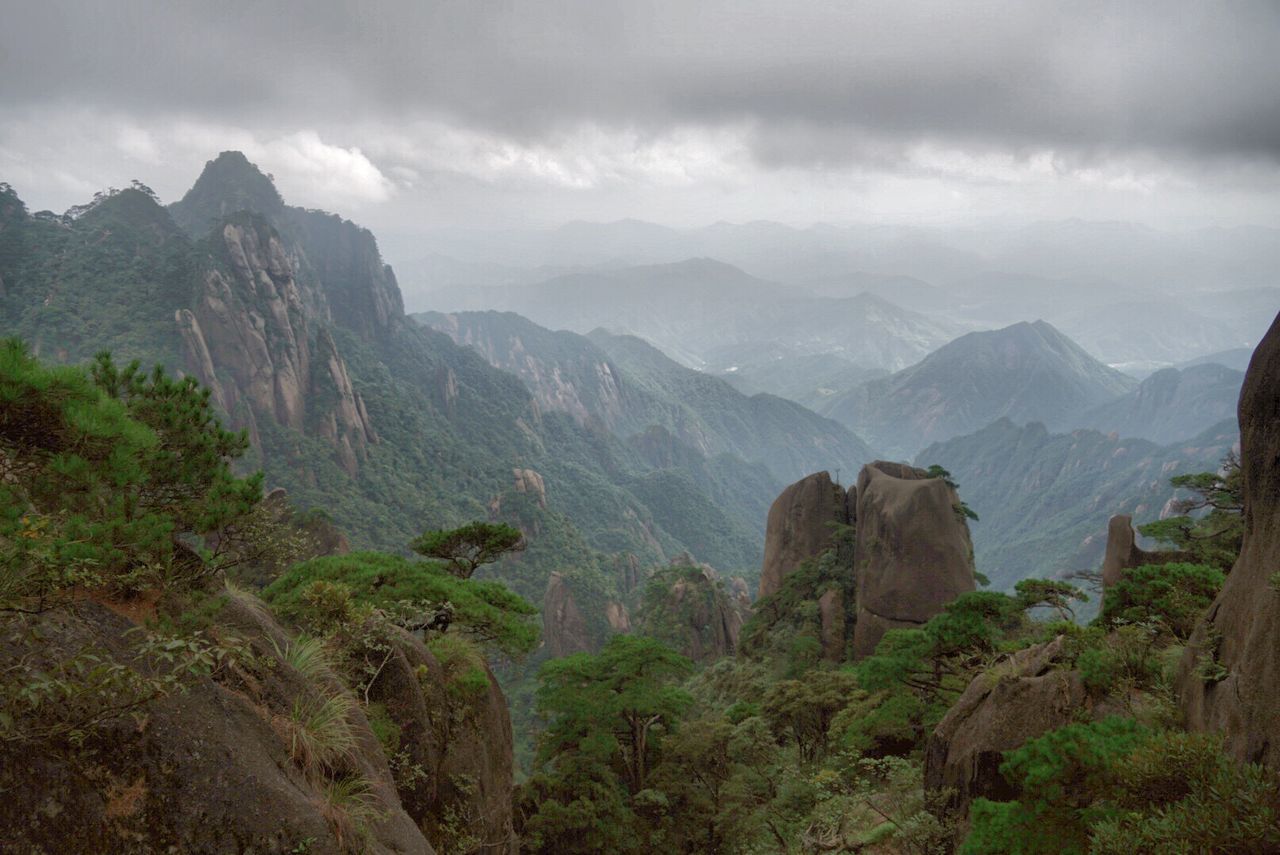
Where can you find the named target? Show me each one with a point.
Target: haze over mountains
(293, 320)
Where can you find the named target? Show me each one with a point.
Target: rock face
(250, 338)
(1124, 553)
(463, 742)
(1019, 699)
(800, 526)
(1241, 630)
(564, 629)
(912, 554)
(208, 770)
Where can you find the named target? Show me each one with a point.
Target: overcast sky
(409, 114)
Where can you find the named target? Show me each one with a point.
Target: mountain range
(1025, 372)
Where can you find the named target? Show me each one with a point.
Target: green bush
(487, 610)
(1059, 775)
(1174, 596)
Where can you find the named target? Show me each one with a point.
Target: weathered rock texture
(800, 527)
(1124, 553)
(1241, 630)
(208, 770)
(912, 554)
(564, 629)
(1021, 698)
(250, 338)
(462, 741)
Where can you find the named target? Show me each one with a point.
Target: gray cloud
(1186, 78)
(408, 112)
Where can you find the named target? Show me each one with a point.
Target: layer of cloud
(582, 107)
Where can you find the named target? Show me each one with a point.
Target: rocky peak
(229, 183)
(687, 606)
(564, 629)
(248, 338)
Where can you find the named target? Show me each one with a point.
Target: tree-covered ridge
(390, 428)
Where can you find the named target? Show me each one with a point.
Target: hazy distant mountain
(807, 379)
(1170, 404)
(626, 386)
(1237, 359)
(695, 309)
(1044, 498)
(1026, 372)
(905, 291)
(1134, 255)
(1140, 336)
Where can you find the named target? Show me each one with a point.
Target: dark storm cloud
(817, 83)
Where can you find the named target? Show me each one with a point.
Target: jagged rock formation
(249, 339)
(912, 554)
(626, 386)
(1241, 631)
(208, 770)
(688, 606)
(564, 629)
(1124, 553)
(528, 481)
(800, 526)
(1020, 698)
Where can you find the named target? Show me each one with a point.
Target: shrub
(335, 588)
(1060, 775)
(1172, 595)
(1180, 793)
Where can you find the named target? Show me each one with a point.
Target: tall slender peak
(228, 184)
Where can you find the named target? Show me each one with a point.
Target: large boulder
(912, 554)
(1123, 552)
(1025, 696)
(208, 769)
(1229, 676)
(800, 526)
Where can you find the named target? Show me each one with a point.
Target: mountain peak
(229, 183)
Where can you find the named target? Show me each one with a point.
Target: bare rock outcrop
(248, 338)
(800, 526)
(528, 481)
(1026, 695)
(205, 770)
(564, 629)
(1123, 552)
(912, 554)
(1240, 633)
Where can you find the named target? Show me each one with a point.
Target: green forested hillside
(400, 429)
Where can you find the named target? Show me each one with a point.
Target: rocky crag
(911, 553)
(1229, 677)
